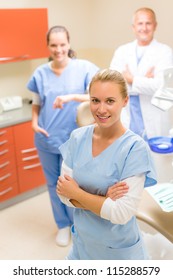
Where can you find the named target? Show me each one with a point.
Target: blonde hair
(108, 75)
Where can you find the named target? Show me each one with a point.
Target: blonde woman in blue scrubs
(95, 158)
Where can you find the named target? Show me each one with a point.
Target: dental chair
(149, 211)
(84, 116)
(163, 97)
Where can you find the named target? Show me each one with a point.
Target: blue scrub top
(59, 122)
(93, 236)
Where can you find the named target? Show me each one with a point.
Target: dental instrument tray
(163, 195)
(162, 145)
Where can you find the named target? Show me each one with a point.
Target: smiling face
(144, 26)
(58, 47)
(106, 103)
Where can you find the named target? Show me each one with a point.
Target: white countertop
(16, 116)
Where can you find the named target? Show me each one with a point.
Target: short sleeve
(67, 150)
(92, 69)
(32, 85)
(138, 161)
(36, 82)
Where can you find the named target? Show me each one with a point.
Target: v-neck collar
(64, 70)
(115, 142)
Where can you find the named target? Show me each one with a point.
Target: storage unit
(23, 34)
(30, 174)
(20, 168)
(8, 172)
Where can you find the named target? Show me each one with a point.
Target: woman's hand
(60, 100)
(38, 129)
(67, 186)
(118, 190)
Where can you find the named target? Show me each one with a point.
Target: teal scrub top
(59, 123)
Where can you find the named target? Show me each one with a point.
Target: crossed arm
(119, 204)
(67, 187)
(129, 77)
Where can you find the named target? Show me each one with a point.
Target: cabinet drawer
(6, 137)
(7, 176)
(27, 156)
(7, 164)
(31, 176)
(23, 136)
(8, 191)
(26, 153)
(7, 152)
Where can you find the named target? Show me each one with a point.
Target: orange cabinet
(20, 168)
(30, 174)
(8, 172)
(8, 191)
(23, 34)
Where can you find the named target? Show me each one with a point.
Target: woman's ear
(126, 101)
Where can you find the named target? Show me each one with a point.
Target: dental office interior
(97, 28)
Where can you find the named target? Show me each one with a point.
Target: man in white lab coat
(141, 63)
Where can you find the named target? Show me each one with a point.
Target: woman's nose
(101, 108)
(58, 48)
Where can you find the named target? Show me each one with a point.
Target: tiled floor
(28, 232)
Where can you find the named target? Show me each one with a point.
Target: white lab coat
(160, 56)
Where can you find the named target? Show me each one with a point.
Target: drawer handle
(30, 158)
(3, 132)
(3, 142)
(6, 191)
(4, 152)
(32, 166)
(4, 164)
(5, 177)
(28, 150)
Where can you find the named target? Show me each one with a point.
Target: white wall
(96, 27)
(112, 24)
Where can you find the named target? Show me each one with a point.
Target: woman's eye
(95, 100)
(110, 101)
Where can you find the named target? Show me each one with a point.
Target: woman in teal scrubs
(95, 158)
(68, 77)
